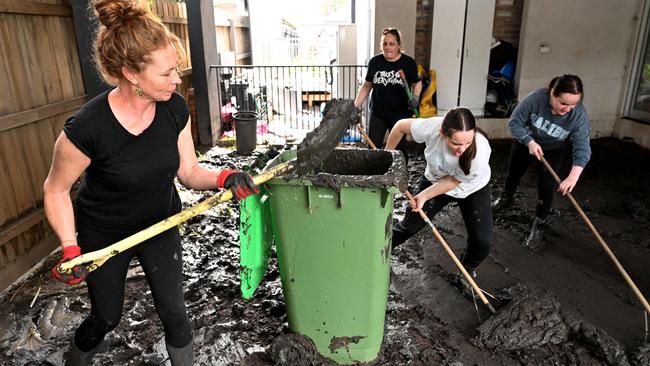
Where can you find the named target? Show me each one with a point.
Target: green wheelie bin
(333, 232)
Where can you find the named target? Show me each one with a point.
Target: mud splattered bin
(332, 233)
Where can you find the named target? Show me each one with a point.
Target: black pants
(519, 161)
(377, 130)
(477, 214)
(161, 260)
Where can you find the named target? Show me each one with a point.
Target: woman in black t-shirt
(389, 101)
(132, 141)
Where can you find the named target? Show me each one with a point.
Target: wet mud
(562, 304)
(338, 116)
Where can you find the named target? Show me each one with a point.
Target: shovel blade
(318, 144)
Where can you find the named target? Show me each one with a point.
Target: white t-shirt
(441, 161)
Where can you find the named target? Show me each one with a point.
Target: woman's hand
(240, 183)
(535, 149)
(567, 185)
(418, 201)
(77, 273)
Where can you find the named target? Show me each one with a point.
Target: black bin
(245, 131)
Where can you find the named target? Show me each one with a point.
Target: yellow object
(427, 106)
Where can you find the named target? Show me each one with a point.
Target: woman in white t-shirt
(457, 170)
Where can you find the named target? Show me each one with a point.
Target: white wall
(593, 39)
(265, 31)
(396, 14)
(365, 21)
(626, 129)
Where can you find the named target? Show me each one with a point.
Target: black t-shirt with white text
(389, 99)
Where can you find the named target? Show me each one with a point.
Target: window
(638, 97)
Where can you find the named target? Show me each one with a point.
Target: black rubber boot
(77, 357)
(505, 201)
(181, 356)
(534, 239)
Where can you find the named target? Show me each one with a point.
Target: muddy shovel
(312, 151)
(409, 94)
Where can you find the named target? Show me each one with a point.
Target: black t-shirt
(129, 184)
(389, 99)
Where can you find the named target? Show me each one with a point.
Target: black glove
(414, 103)
(240, 183)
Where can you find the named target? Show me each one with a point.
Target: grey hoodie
(533, 120)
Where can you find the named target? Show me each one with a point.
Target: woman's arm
(68, 163)
(401, 128)
(190, 173)
(442, 186)
(520, 118)
(193, 176)
(364, 90)
(417, 88)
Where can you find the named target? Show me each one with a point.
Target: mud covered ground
(564, 304)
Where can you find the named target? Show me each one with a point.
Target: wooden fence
(43, 87)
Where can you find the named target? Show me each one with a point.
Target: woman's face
(459, 141)
(563, 103)
(389, 47)
(160, 76)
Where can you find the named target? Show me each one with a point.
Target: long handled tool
(366, 137)
(600, 240)
(98, 257)
(441, 240)
(409, 94)
(312, 150)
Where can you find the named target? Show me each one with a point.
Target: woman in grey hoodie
(544, 123)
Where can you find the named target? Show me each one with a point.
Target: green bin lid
(256, 239)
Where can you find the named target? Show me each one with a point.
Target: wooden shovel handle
(451, 254)
(600, 240)
(98, 257)
(366, 137)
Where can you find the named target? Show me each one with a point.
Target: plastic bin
(332, 234)
(255, 241)
(245, 131)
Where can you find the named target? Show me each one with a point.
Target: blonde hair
(128, 33)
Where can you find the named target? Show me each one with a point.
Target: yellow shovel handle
(98, 257)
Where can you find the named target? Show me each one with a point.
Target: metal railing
(288, 99)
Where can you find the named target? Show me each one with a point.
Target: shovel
(442, 240)
(409, 94)
(609, 252)
(311, 152)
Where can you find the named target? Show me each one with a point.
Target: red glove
(79, 273)
(240, 183)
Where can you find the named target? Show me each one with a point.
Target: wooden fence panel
(40, 58)
(43, 86)
(174, 16)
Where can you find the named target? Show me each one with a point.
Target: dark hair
(128, 33)
(462, 119)
(565, 84)
(395, 32)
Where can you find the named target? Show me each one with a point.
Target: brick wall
(507, 20)
(423, 32)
